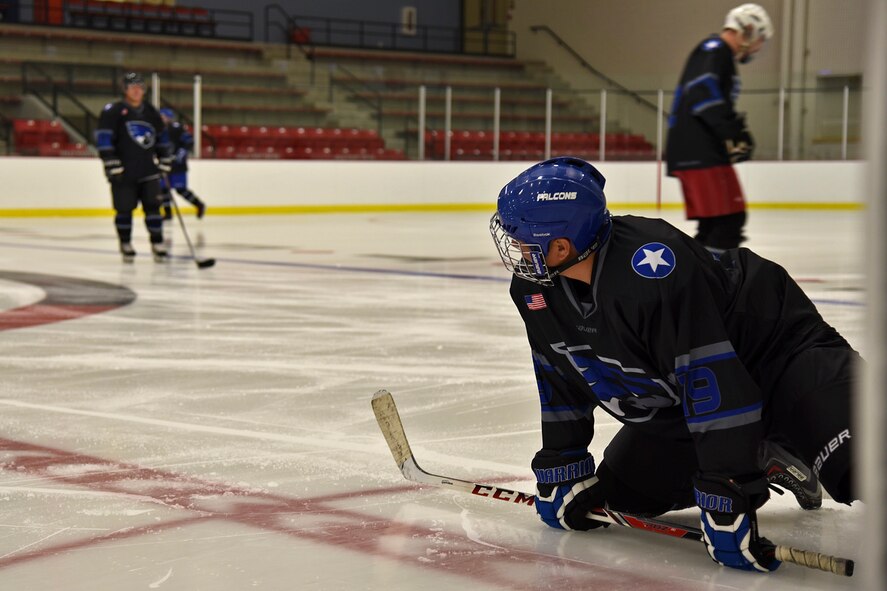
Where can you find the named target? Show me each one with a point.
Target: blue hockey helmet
(559, 198)
(168, 113)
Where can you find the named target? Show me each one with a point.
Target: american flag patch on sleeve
(535, 302)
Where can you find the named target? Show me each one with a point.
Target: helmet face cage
(526, 261)
(559, 198)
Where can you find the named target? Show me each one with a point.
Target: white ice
(217, 433)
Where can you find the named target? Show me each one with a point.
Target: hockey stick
(392, 428)
(201, 264)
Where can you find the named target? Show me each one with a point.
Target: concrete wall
(643, 46)
(77, 186)
(646, 49)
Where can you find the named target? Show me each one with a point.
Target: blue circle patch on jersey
(142, 133)
(653, 261)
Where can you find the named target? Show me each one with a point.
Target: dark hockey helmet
(559, 198)
(131, 78)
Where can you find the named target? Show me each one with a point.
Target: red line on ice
(341, 528)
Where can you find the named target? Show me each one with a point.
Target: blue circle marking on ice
(653, 261)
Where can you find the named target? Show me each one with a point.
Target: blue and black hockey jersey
(703, 114)
(668, 340)
(132, 136)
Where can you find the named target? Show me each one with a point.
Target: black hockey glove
(165, 164)
(566, 489)
(113, 170)
(742, 147)
(729, 522)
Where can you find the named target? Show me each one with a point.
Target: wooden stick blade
(392, 428)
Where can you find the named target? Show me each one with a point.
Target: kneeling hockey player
(722, 372)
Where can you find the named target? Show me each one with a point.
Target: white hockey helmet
(752, 16)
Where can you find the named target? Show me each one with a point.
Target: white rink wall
(76, 186)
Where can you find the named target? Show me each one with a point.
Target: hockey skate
(201, 208)
(128, 252)
(788, 472)
(160, 253)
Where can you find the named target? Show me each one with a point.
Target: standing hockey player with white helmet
(706, 135)
(134, 146)
(715, 368)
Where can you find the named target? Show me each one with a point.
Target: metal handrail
(363, 86)
(126, 17)
(566, 46)
(374, 29)
(305, 49)
(52, 103)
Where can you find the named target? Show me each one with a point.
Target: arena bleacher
(266, 101)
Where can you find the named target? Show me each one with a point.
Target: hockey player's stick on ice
(392, 428)
(201, 263)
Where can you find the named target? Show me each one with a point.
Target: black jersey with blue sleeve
(131, 137)
(703, 114)
(668, 340)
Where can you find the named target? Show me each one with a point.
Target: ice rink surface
(215, 433)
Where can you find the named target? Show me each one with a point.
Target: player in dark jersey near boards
(182, 144)
(705, 133)
(724, 375)
(134, 146)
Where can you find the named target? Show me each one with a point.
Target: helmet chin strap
(745, 56)
(555, 271)
(594, 246)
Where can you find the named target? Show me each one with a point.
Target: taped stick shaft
(810, 559)
(393, 430)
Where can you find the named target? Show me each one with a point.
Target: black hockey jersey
(182, 143)
(703, 115)
(668, 340)
(132, 136)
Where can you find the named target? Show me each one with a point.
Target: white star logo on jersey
(654, 258)
(709, 45)
(653, 261)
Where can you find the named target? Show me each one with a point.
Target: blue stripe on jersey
(701, 106)
(710, 81)
(726, 420)
(563, 414)
(163, 139)
(542, 361)
(576, 451)
(704, 361)
(673, 116)
(703, 355)
(104, 139)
